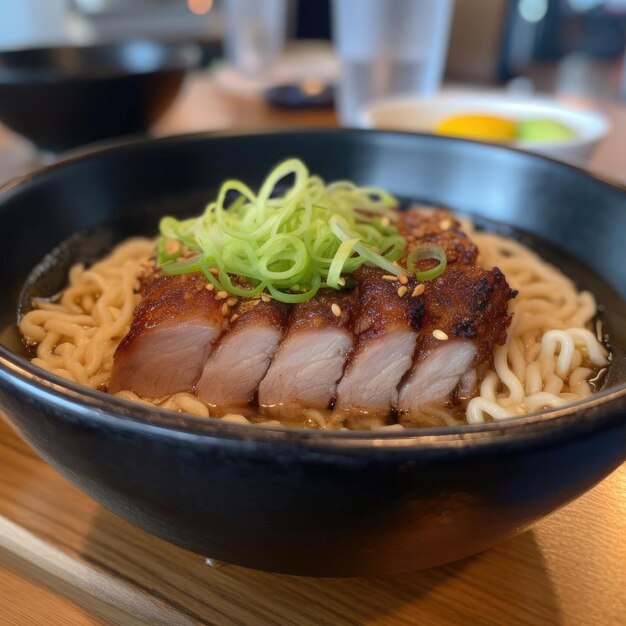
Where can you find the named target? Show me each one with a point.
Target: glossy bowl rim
(18, 371)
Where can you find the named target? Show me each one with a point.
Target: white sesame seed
(231, 301)
(389, 277)
(385, 221)
(336, 309)
(402, 290)
(220, 295)
(440, 335)
(234, 317)
(403, 279)
(419, 290)
(445, 224)
(341, 281)
(224, 309)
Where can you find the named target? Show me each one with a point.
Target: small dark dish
(312, 94)
(313, 502)
(61, 98)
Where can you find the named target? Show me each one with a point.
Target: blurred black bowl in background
(311, 93)
(64, 97)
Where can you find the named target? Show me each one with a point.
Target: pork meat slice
(386, 328)
(467, 305)
(437, 375)
(238, 364)
(311, 358)
(173, 330)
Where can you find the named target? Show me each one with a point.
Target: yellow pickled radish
(481, 127)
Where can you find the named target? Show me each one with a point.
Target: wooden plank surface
(18, 596)
(569, 570)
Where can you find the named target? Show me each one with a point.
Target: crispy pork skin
(311, 358)
(466, 316)
(386, 327)
(237, 365)
(427, 227)
(173, 331)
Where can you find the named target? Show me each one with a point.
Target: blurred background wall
(563, 45)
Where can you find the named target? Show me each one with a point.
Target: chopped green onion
(296, 297)
(288, 240)
(434, 253)
(343, 254)
(186, 266)
(275, 242)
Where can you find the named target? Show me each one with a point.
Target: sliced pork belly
(172, 333)
(385, 344)
(235, 368)
(311, 358)
(386, 327)
(465, 318)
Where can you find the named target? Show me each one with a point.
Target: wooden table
(68, 561)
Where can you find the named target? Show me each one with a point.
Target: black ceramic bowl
(314, 502)
(61, 98)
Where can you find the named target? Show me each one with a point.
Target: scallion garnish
(289, 244)
(428, 253)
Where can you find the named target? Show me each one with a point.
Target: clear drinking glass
(388, 47)
(255, 33)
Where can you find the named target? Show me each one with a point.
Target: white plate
(423, 114)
